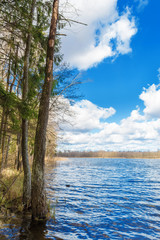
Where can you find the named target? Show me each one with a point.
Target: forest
(109, 154)
(32, 77)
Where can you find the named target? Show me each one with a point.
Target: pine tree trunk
(3, 140)
(19, 163)
(39, 208)
(25, 160)
(2, 123)
(18, 152)
(7, 151)
(4, 119)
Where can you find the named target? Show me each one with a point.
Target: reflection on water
(23, 228)
(96, 199)
(31, 230)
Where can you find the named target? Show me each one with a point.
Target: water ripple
(97, 199)
(106, 199)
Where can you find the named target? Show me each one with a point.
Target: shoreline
(67, 158)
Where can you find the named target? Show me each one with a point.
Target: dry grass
(11, 188)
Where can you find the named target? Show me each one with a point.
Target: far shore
(110, 154)
(54, 159)
(67, 158)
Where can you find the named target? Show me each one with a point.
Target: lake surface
(97, 199)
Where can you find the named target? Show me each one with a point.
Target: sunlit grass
(11, 189)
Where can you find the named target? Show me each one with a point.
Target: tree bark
(4, 123)
(19, 152)
(7, 151)
(39, 208)
(25, 160)
(4, 117)
(4, 131)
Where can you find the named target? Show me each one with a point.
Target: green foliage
(16, 107)
(7, 99)
(26, 110)
(15, 24)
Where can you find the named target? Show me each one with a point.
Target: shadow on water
(23, 228)
(32, 230)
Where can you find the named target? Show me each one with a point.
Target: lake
(96, 199)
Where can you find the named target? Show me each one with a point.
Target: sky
(118, 56)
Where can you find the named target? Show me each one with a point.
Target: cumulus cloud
(151, 99)
(108, 33)
(90, 129)
(85, 116)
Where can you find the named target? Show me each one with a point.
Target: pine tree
(39, 207)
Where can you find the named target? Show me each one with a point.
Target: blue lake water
(98, 199)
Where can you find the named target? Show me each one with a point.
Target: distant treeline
(109, 154)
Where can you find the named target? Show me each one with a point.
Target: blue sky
(119, 83)
(118, 53)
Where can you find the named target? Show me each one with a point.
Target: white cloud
(151, 99)
(107, 34)
(86, 117)
(90, 129)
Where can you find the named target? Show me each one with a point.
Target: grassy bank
(11, 188)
